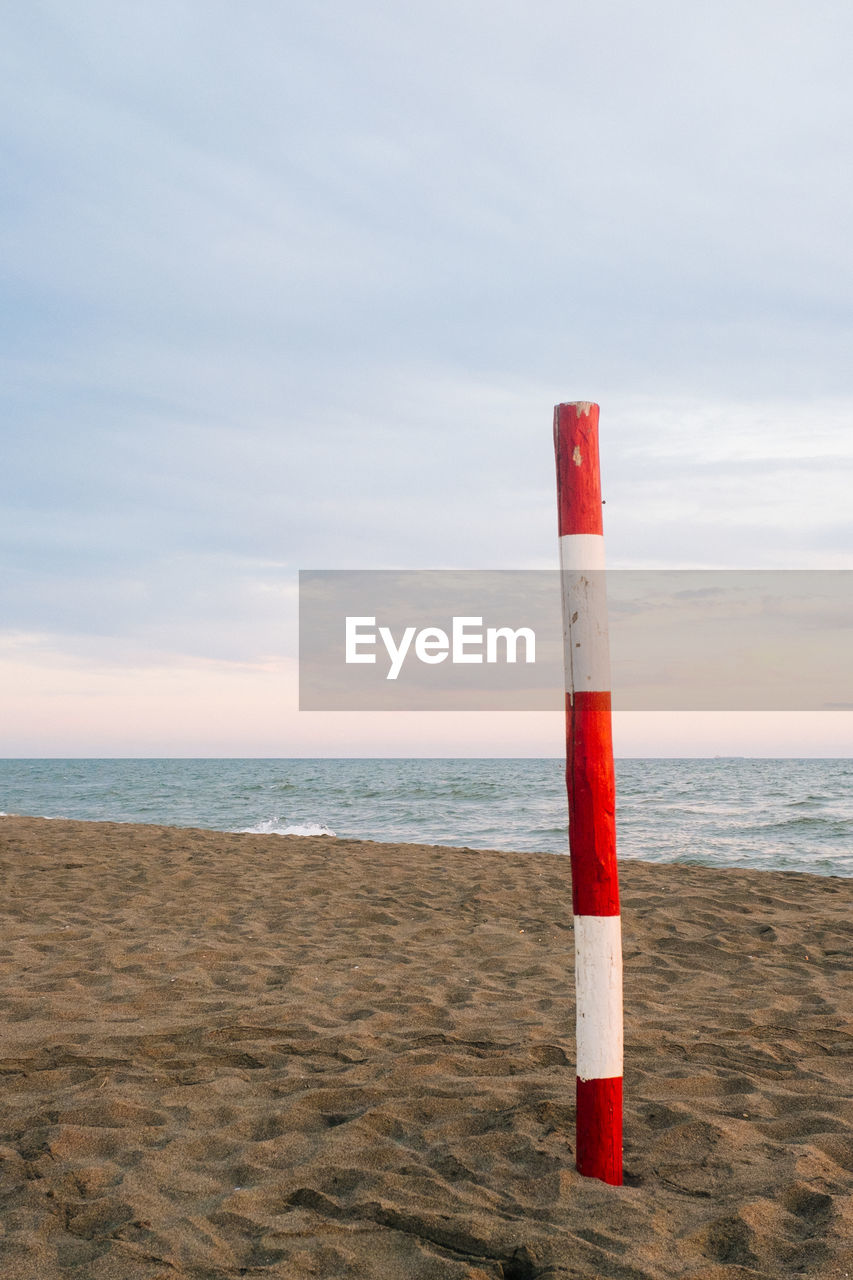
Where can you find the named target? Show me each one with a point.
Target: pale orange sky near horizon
(60, 708)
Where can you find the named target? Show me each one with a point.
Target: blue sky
(294, 286)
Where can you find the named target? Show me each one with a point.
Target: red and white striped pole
(592, 795)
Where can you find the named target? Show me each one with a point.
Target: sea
(774, 814)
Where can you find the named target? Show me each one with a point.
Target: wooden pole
(591, 794)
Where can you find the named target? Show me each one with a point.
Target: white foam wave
(275, 827)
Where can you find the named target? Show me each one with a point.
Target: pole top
(578, 474)
(581, 407)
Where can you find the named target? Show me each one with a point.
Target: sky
(295, 286)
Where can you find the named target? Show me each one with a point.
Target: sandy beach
(229, 1055)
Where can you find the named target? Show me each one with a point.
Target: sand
(230, 1055)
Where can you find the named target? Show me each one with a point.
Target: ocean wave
(277, 827)
(825, 824)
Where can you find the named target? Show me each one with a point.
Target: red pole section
(592, 795)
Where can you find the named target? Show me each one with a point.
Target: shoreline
(324, 1056)
(335, 841)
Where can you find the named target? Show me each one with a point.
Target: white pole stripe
(586, 643)
(582, 551)
(598, 982)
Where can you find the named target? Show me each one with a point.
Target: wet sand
(228, 1055)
